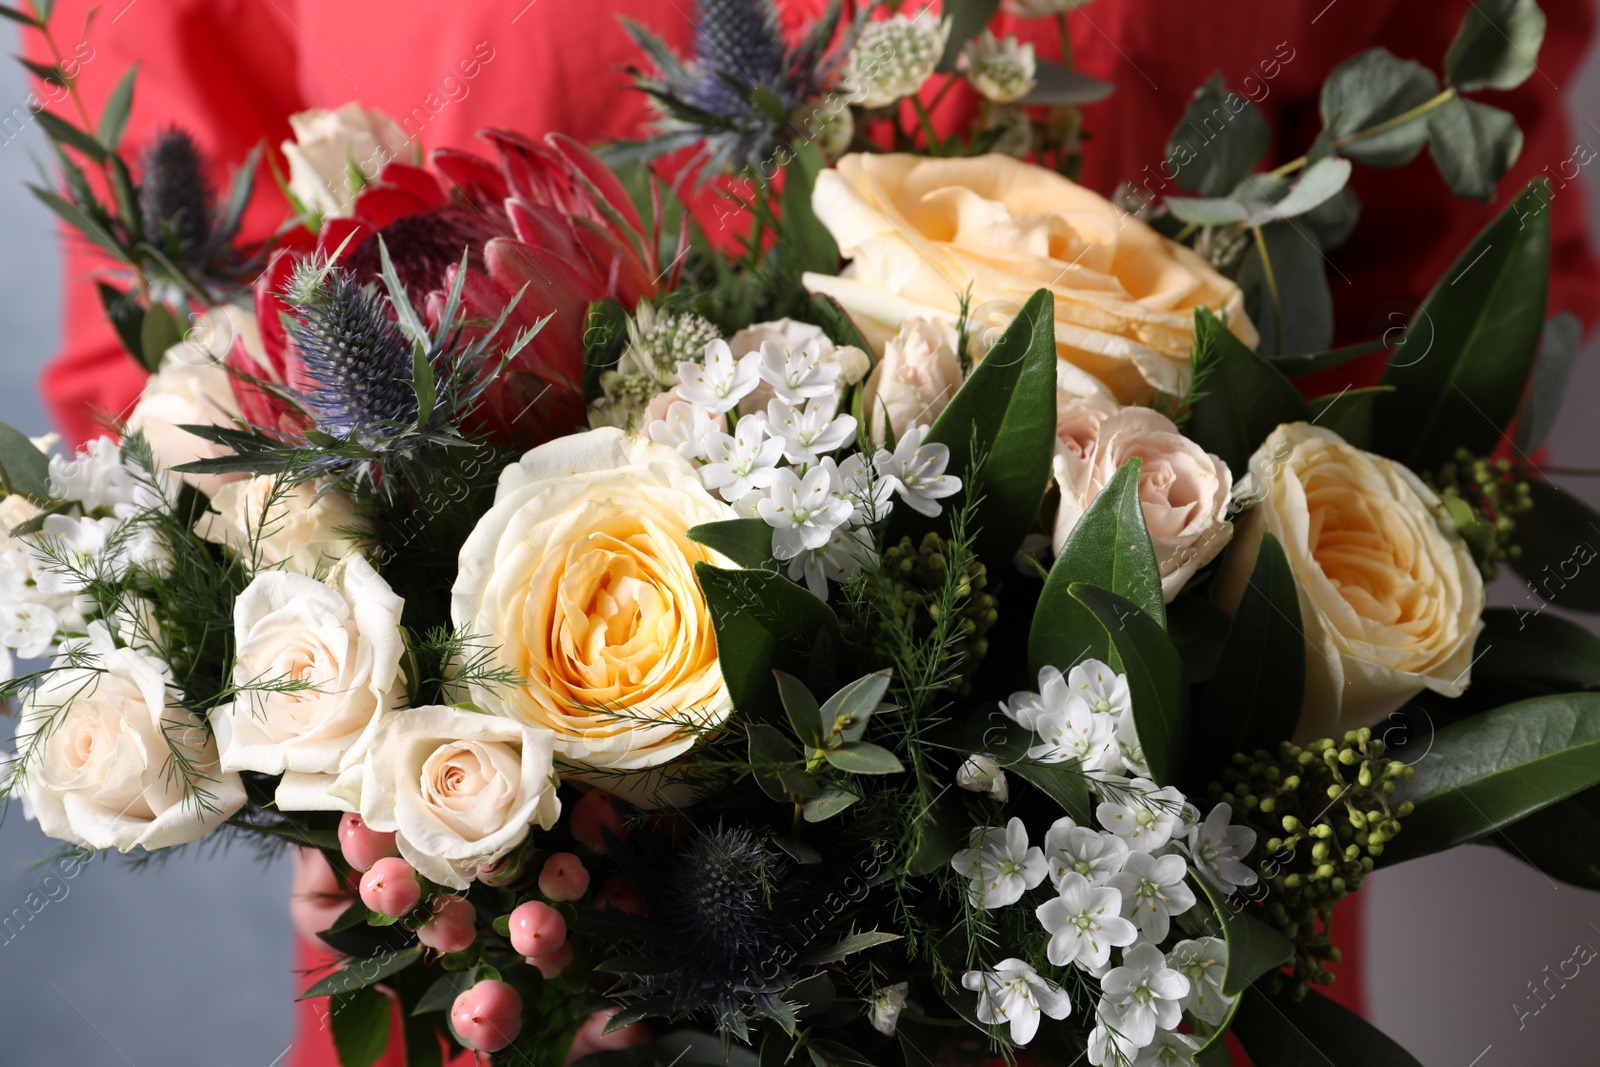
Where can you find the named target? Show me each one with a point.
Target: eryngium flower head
(175, 198)
(357, 363)
(729, 921)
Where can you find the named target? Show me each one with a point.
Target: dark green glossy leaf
(358, 974)
(806, 244)
(1558, 348)
(1537, 647)
(1141, 650)
(1295, 366)
(1198, 629)
(1253, 948)
(126, 317)
(765, 622)
(1245, 397)
(1349, 413)
(423, 1043)
(360, 1024)
(748, 542)
(1473, 144)
(1497, 46)
(1110, 548)
(159, 330)
(1315, 1032)
(1563, 840)
(1485, 772)
(1253, 700)
(1470, 346)
(443, 992)
(1372, 88)
(1558, 536)
(1219, 140)
(1296, 266)
(23, 468)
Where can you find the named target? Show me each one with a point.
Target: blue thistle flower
(358, 361)
(176, 199)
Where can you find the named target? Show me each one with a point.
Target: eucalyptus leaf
(1218, 141)
(862, 757)
(1470, 346)
(1497, 46)
(1253, 699)
(1558, 348)
(1486, 772)
(848, 710)
(1367, 90)
(1055, 84)
(1536, 647)
(1321, 182)
(801, 707)
(829, 804)
(1141, 650)
(1208, 211)
(1109, 547)
(1473, 144)
(1244, 397)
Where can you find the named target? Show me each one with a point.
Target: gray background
(190, 964)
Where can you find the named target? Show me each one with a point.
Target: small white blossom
(27, 628)
(918, 471)
(847, 552)
(797, 374)
(721, 382)
(980, 774)
(870, 496)
(1130, 748)
(98, 479)
(1015, 993)
(1169, 1049)
(1143, 995)
(1003, 71)
(1144, 816)
(1153, 892)
(1070, 730)
(1082, 850)
(1025, 708)
(1084, 923)
(999, 864)
(1104, 689)
(809, 432)
(803, 512)
(742, 461)
(1218, 850)
(1203, 961)
(887, 1006)
(688, 427)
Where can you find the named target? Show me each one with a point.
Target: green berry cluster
(1482, 497)
(917, 576)
(1322, 814)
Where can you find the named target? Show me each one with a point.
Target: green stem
(1373, 131)
(1272, 284)
(926, 121)
(1066, 39)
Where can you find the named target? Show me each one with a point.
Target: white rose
(853, 363)
(343, 639)
(1390, 597)
(459, 789)
(582, 576)
(300, 528)
(914, 381)
(327, 144)
(99, 770)
(1183, 490)
(193, 387)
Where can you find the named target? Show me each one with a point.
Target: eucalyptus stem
(1372, 131)
(1272, 284)
(1066, 39)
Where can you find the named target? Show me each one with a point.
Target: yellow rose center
(1369, 554)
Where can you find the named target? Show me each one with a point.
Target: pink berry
(619, 892)
(391, 887)
(454, 925)
(564, 877)
(537, 928)
(361, 844)
(488, 1016)
(592, 814)
(552, 963)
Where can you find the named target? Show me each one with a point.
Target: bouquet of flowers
(683, 650)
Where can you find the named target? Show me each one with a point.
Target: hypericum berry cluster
(1324, 813)
(1494, 493)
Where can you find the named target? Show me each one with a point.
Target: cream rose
(193, 387)
(921, 231)
(329, 143)
(459, 789)
(100, 772)
(1183, 490)
(914, 381)
(1390, 598)
(582, 575)
(1083, 403)
(303, 528)
(852, 362)
(342, 638)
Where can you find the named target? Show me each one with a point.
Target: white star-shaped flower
(721, 381)
(1218, 850)
(742, 461)
(848, 551)
(918, 471)
(1153, 892)
(1143, 815)
(1083, 850)
(999, 864)
(1143, 995)
(1068, 729)
(1015, 993)
(803, 512)
(797, 374)
(688, 427)
(1084, 923)
(811, 431)
(1203, 961)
